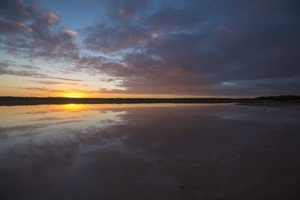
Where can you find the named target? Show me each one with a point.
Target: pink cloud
(70, 32)
(50, 17)
(23, 27)
(13, 27)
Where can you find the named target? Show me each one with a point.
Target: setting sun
(73, 95)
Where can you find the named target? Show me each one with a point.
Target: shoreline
(277, 101)
(18, 101)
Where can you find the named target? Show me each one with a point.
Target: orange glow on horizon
(87, 94)
(73, 95)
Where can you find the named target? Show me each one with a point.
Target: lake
(149, 151)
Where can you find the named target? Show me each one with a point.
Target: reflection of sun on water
(72, 106)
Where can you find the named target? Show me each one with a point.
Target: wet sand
(198, 152)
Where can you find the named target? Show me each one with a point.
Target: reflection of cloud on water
(89, 114)
(107, 121)
(147, 152)
(34, 126)
(56, 126)
(53, 118)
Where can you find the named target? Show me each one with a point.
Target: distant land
(14, 101)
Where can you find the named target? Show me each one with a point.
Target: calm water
(149, 152)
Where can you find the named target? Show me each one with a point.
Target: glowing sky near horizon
(157, 48)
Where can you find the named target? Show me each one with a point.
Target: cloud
(15, 9)
(49, 18)
(28, 71)
(192, 47)
(113, 39)
(33, 74)
(39, 89)
(209, 47)
(52, 82)
(70, 32)
(13, 27)
(30, 31)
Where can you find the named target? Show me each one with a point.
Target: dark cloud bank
(208, 47)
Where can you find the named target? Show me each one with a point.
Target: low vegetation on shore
(10, 101)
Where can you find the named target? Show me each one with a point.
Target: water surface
(149, 151)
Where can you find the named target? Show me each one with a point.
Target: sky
(149, 48)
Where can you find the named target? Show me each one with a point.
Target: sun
(73, 95)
